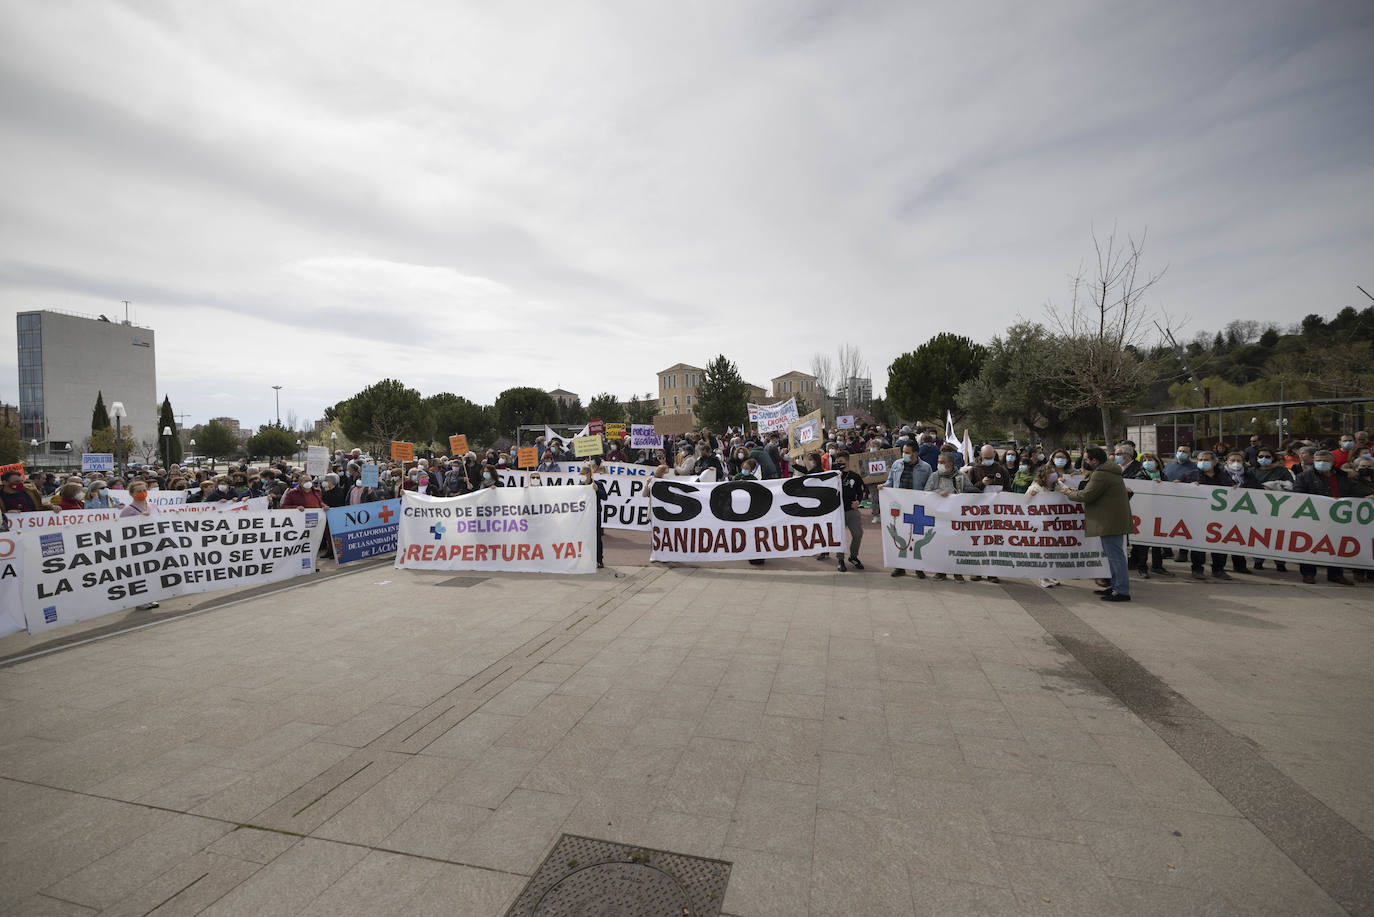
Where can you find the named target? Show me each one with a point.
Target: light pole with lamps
(278, 391)
(298, 452)
(33, 457)
(333, 443)
(193, 451)
(118, 412)
(167, 448)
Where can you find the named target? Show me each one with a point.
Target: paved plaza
(376, 742)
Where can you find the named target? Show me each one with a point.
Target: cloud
(473, 196)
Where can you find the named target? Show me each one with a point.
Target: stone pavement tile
(120, 872)
(1000, 754)
(683, 702)
(367, 725)
(547, 723)
(186, 889)
(900, 662)
(963, 681)
(852, 674)
(662, 732)
(858, 783)
(1147, 899)
(620, 707)
(379, 885)
(591, 681)
(1142, 853)
(85, 831)
(685, 832)
(794, 678)
(729, 718)
(1064, 877)
(708, 777)
(385, 805)
(471, 735)
(1245, 866)
(1096, 792)
(192, 787)
(516, 699)
(290, 882)
(748, 678)
(774, 816)
(41, 905)
(552, 672)
(1035, 702)
(490, 777)
(519, 833)
(1023, 803)
(703, 672)
(464, 890)
(436, 829)
(273, 745)
(786, 749)
(806, 706)
(1111, 721)
(253, 845)
(614, 810)
(854, 720)
(1060, 739)
(585, 749)
(255, 792)
(766, 884)
(149, 775)
(969, 716)
(854, 870)
(941, 897)
(928, 759)
(1161, 776)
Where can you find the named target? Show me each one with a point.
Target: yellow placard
(584, 446)
(458, 444)
(527, 458)
(402, 452)
(615, 431)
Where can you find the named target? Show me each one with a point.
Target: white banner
(745, 520)
(642, 436)
(1001, 534)
(1280, 525)
(11, 596)
(28, 522)
(158, 498)
(316, 460)
(521, 529)
(627, 489)
(97, 461)
(772, 417)
(74, 574)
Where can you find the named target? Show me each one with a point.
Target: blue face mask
(1323, 467)
(1204, 466)
(1149, 465)
(1122, 459)
(989, 462)
(1182, 456)
(1061, 462)
(1266, 462)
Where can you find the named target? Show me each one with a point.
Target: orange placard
(402, 452)
(17, 466)
(458, 444)
(527, 458)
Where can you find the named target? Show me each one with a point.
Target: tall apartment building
(229, 423)
(66, 359)
(677, 390)
(854, 392)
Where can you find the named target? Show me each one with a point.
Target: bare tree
(824, 371)
(1102, 332)
(148, 450)
(849, 365)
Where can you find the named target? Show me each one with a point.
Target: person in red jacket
(303, 495)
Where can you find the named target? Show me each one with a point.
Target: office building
(854, 392)
(65, 360)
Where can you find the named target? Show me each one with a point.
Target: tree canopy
(218, 441)
(168, 446)
(607, 407)
(722, 396)
(922, 384)
(100, 417)
(272, 441)
(382, 412)
(522, 405)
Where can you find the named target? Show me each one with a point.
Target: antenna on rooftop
(126, 311)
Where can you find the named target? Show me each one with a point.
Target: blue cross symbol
(437, 530)
(918, 520)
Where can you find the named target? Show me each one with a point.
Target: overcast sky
(470, 196)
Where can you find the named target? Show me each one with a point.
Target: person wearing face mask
(68, 497)
(1148, 469)
(98, 496)
(945, 480)
(490, 477)
(853, 492)
(588, 478)
(331, 493)
(1182, 469)
(709, 464)
(1024, 477)
(1271, 475)
(1045, 481)
(138, 501)
(1229, 473)
(1345, 452)
(988, 473)
(1327, 481)
(1107, 514)
(1124, 455)
(303, 496)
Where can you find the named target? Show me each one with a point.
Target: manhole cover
(586, 877)
(463, 582)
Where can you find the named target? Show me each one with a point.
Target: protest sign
(74, 574)
(159, 499)
(642, 436)
(745, 520)
(596, 426)
(1273, 524)
(627, 490)
(402, 452)
(368, 476)
(999, 534)
(877, 468)
(364, 530)
(522, 529)
(527, 457)
(615, 431)
(458, 444)
(41, 521)
(316, 460)
(585, 446)
(844, 422)
(97, 461)
(804, 435)
(11, 598)
(874, 466)
(772, 417)
(17, 466)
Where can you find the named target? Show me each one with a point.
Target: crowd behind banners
(1343, 468)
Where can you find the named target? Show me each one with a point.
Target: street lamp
(277, 388)
(117, 409)
(298, 451)
(333, 442)
(33, 459)
(167, 448)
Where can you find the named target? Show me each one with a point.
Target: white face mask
(486, 475)
(1060, 462)
(223, 488)
(1237, 467)
(306, 485)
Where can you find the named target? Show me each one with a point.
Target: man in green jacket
(1107, 514)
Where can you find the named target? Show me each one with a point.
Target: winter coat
(1106, 502)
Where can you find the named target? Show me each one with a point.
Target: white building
(65, 360)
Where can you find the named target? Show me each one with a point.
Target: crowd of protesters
(1342, 468)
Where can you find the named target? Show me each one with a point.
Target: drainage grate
(585, 876)
(462, 582)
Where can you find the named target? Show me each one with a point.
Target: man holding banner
(1107, 514)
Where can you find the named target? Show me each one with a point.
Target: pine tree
(722, 396)
(100, 418)
(169, 447)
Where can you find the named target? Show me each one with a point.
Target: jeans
(1114, 546)
(853, 521)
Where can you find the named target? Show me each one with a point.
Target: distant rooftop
(93, 318)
